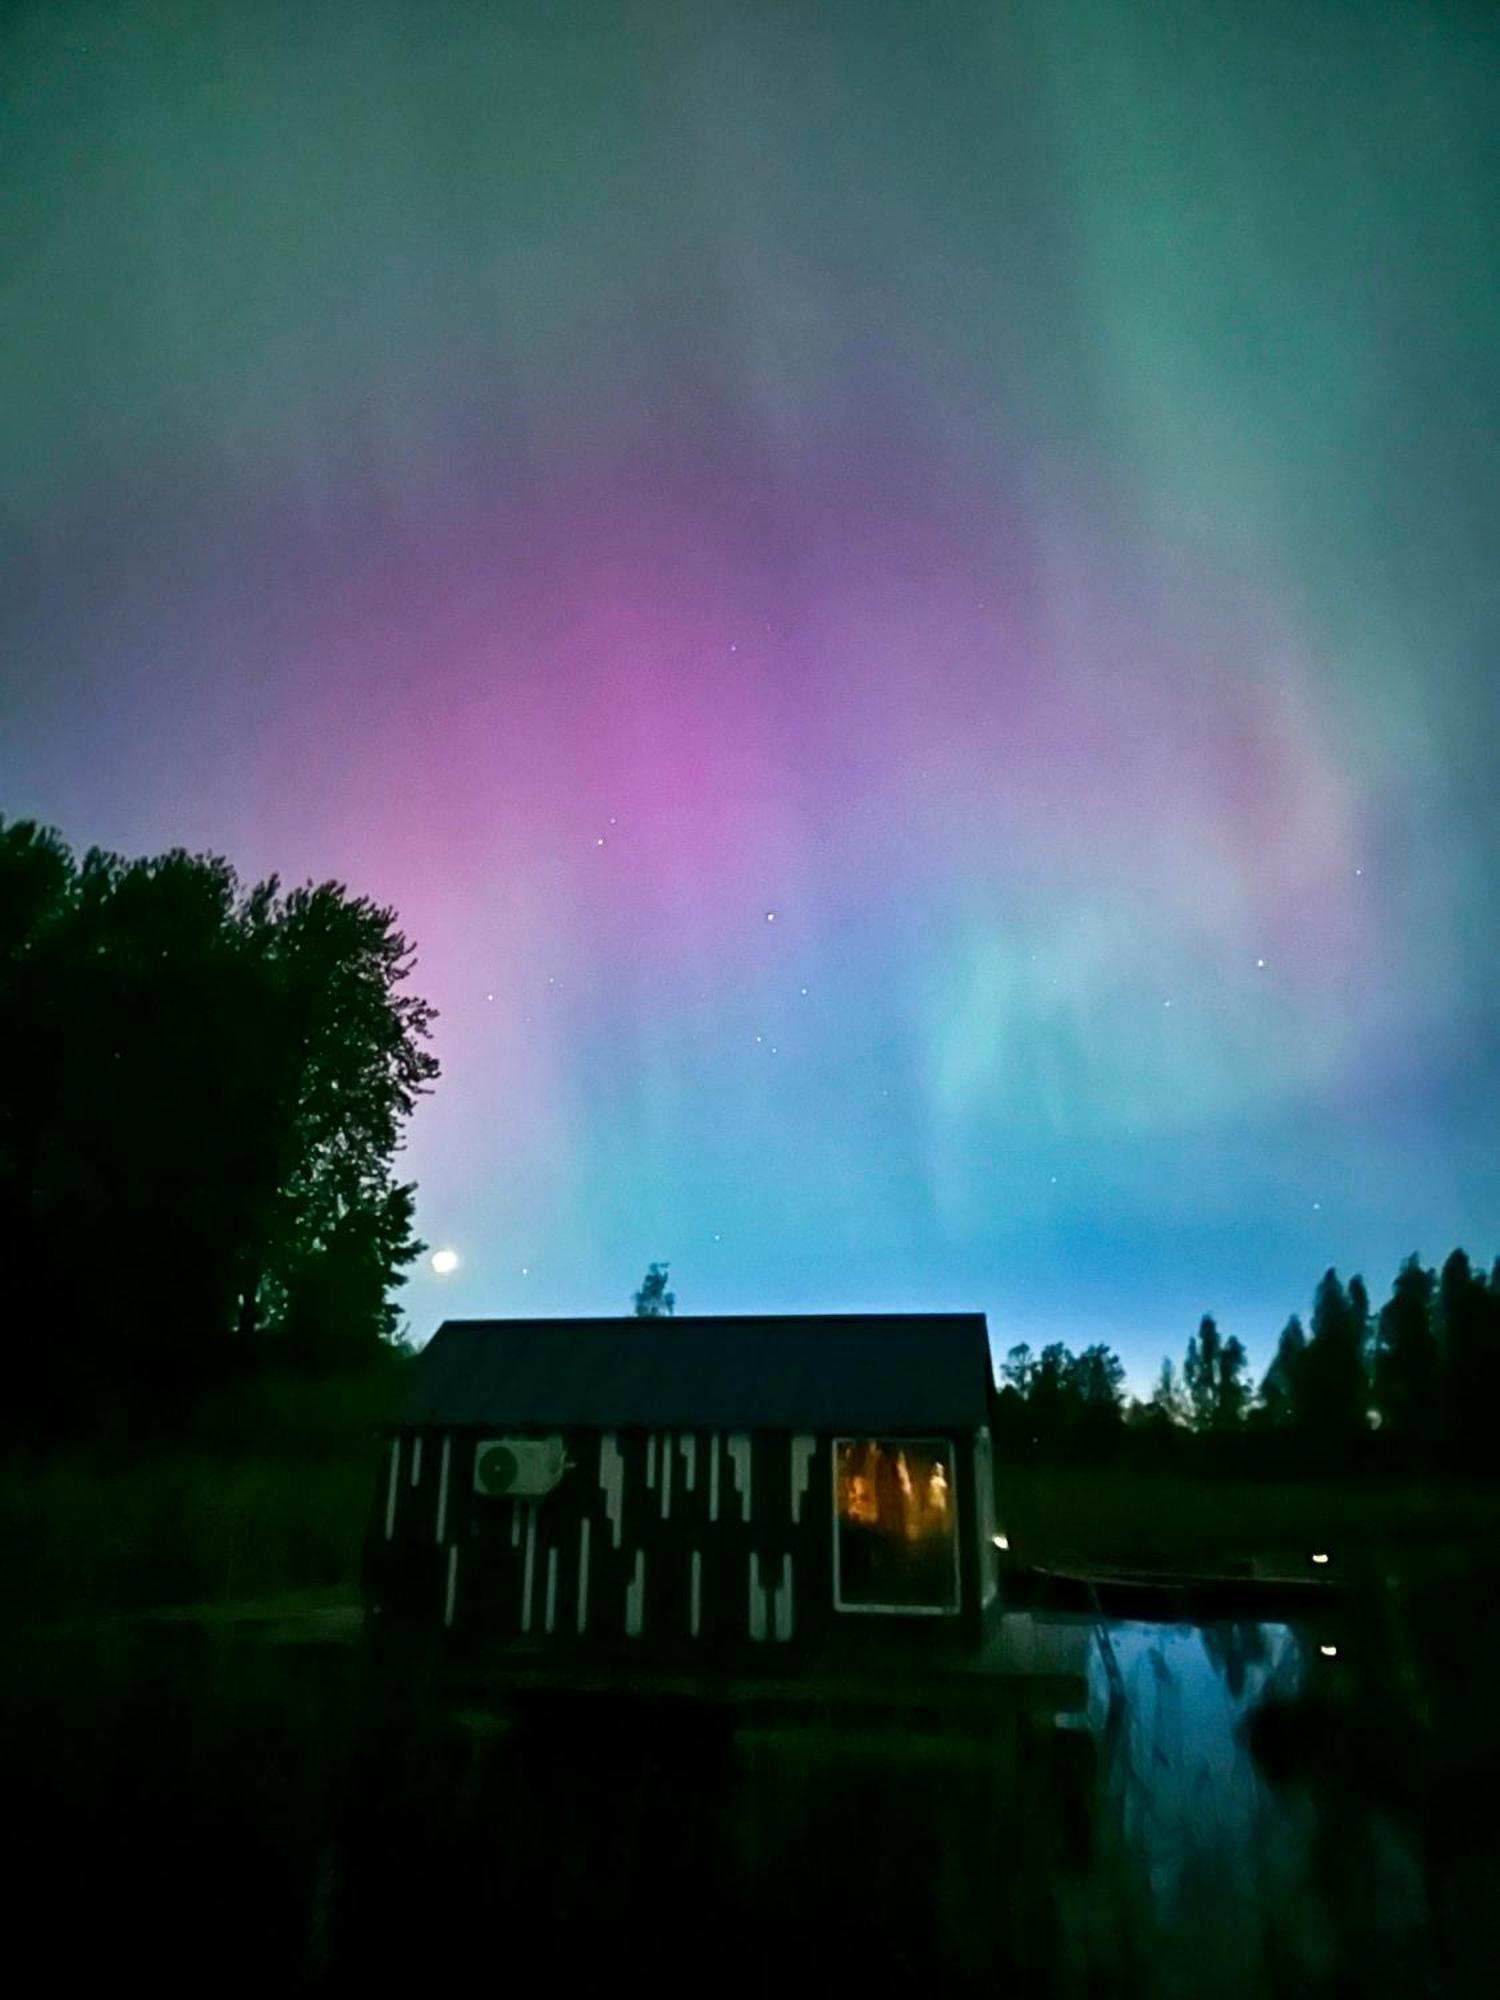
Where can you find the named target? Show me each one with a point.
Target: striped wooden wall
(685, 1540)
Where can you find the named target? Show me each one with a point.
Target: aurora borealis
(902, 598)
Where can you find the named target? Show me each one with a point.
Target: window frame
(950, 1448)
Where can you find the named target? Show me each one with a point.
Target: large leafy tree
(204, 1098)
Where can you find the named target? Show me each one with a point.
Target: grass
(1056, 1516)
(270, 1494)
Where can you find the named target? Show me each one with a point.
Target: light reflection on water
(1180, 1777)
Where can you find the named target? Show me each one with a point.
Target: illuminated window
(895, 1528)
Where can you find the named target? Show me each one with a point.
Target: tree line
(205, 1090)
(1416, 1383)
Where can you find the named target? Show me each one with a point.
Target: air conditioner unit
(519, 1468)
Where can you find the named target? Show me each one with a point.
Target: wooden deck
(1258, 1591)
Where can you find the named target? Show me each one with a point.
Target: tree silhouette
(1406, 1370)
(1169, 1400)
(1213, 1375)
(1283, 1392)
(653, 1300)
(1335, 1398)
(205, 1093)
(1469, 1322)
(1019, 1368)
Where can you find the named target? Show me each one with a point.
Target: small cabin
(731, 1488)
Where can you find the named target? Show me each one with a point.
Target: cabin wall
(693, 1542)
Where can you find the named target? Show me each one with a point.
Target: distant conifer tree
(653, 1300)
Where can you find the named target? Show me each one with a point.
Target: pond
(182, 1801)
(1216, 1873)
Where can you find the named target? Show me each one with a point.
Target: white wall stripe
(442, 1506)
(515, 1522)
(583, 1575)
(612, 1479)
(713, 1477)
(740, 1459)
(784, 1600)
(529, 1573)
(804, 1450)
(651, 1459)
(550, 1619)
(666, 1477)
(635, 1598)
(695, 1612)
(390, 1491)
(690, 1460)
(452, 1583)
(757, 1601)
(416, 1460)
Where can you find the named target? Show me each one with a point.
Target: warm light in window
(895, 1547)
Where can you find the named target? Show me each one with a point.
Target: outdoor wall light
(1320, 1557)
(1001, 1541)
(1329, 1652)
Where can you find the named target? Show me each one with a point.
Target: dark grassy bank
(1056, 1515)
(266, 1491)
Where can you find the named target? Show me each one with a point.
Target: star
(804, 992)
(489, 996)
(1166, 1003)
(1260, 963)
(770, 916)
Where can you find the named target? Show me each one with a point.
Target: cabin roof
(869, 1372)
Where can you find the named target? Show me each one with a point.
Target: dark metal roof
(798, 1371)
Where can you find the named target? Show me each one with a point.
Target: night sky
(902, 597)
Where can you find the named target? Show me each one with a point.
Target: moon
(444, 1261)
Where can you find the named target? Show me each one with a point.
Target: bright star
(770, 916)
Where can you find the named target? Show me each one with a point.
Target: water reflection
(1253, 1865)
(1180, 1778)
